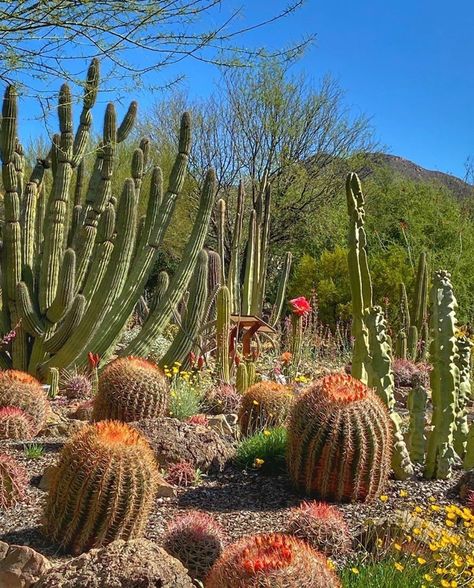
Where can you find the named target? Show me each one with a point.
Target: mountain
(412, 171)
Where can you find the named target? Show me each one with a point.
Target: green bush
(265, 451)
(383, 574)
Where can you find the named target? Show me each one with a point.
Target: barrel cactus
(264, 405)
(15, 423)
(75, 385)
(131, 389)
(197, 540)
(322, 526)
(12, 481)
(221, 399)
(23, 391)
(271, 561)
(339, 441)
(103, 488)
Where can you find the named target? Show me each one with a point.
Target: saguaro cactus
(74, 263)
(361, 284)
(444, 378)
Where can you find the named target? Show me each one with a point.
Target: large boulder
(174, 441)
(122, 564)
(20, 566)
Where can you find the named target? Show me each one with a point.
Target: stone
(59, 426)
(174, 441)
(21, 566)
(46, 478)
(219, 423)
(463, 487)
(122, 564)
(165, 489)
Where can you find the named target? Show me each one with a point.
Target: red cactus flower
(192, 358)
(201, 362)
(93, 359)
(300, 306)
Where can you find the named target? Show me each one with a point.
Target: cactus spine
(444, 378)
(222, 334)
(380, 377)
(463, 362)
(361, 284)
(72, 263)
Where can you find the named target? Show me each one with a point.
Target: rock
(122, 564)
(83, 411)
(20, 566)
(220, 424)
(59, 426)
(232, 419)
(46, 478)
(165, 489)
(174, 441)
(464, 486)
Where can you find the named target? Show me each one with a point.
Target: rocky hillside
(412, 171)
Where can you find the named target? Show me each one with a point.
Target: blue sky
(407, 63)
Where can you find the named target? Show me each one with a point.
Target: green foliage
(403, 218)
(382, 574)
(265, 451)
(185, 398)
(33, 451)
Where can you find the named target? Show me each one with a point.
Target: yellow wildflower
(384, 498)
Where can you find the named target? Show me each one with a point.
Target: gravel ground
(243, 502)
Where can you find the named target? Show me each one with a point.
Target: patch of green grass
(33, 451)
(383, 574)
(265, 451)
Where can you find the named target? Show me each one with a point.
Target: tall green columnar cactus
(420, 299)
(468, 462)
(402, 345)
(404, 308)
(233, 279)
(282, 285)
(242, 379)
(221, 216)
(412, 343)
(380, 377)
(222, 334)
(444, 378)
(463, 362)
(361, 284)
(247, 289)
(186, 339)
(74, 263)
(416, 438)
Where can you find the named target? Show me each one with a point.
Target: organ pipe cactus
(248, 297)
(444, 378)
(74, 263)
(241, 378)
(380, 377)
(463, 362)
(360, 281)
(223, 334)
(186, 339)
